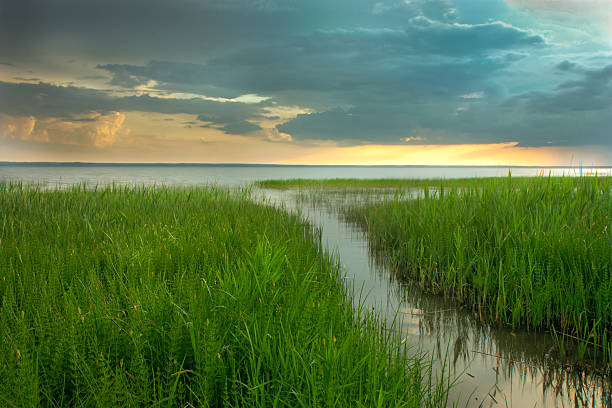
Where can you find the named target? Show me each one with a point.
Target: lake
(67, 174)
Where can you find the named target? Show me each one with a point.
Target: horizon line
(230, 164)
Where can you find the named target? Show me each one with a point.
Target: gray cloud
(161, 29)
(467, 39)
(575, 112)
(240, 128)
(373, 71)
(329, 59)
(566, 65)
(172, 76)
(44, 100)
(49, 101)
(592, 92)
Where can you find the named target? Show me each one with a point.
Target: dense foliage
(531, 252)
(134, 296)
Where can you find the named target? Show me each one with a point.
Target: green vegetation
(341, 183)
(346, 185)
(533, 252)
(134, 296)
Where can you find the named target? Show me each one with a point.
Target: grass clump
(531, 252)
(134, 296)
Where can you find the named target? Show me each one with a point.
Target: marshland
(517, 268)
(307, 293)
(167, 296)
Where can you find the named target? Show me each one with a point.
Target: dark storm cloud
(240, 128)
(173, 77)
(376, 70)
(435, 71)
(356, 125)
(162, 29)
(566, 65)
(575, 112)
(339, 58)
(45, 100)
(592, 92)
(433, 37)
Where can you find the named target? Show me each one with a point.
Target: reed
(534, 252)
(156, 296)
(348, 185)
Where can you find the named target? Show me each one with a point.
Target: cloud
(566, 6)
(95, 130)
(575, 112)
(105, 130)
(592, 13)
(356, 71)
(413, 139)
(43, 101)
(274, 135)
(240, 128)
(360, 125)
(592, 92)
(376, 74)
(566, 66)
(333, 58)
(473, 95)
(435, 37)
(365, 82)
(17, 127)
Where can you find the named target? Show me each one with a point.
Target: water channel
(490, 366)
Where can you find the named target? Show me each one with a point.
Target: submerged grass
(531, 252)
(134, 296)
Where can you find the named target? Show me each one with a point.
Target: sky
(412, 82)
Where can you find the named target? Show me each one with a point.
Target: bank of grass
(530, 252)
(354, 185)
(347, 183)
(134, 296)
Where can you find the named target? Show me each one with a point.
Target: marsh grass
(528, 252)
(346, 184)
(366, 186)
(156, 296)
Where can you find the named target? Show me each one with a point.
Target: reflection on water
(493, 366)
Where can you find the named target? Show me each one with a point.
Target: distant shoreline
(101, 164)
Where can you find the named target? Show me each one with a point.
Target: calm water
(494, 367)
(234, 175)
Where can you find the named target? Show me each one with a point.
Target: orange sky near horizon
(502, 154)
(144, 137)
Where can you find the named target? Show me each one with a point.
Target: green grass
(134, 296)
(347, 184)
(344, 183)
(529, 252)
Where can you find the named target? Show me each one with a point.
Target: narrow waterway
(491, 366)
